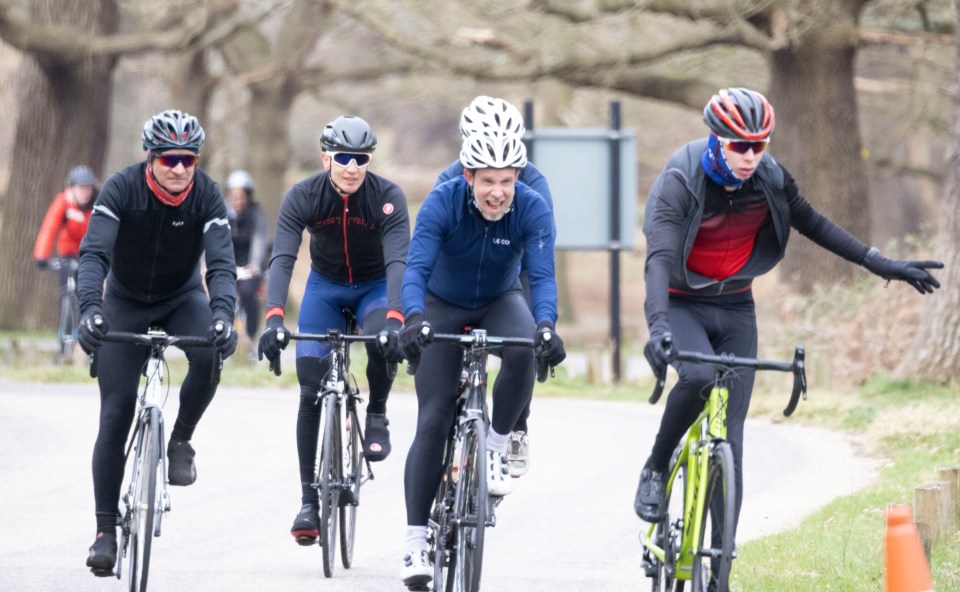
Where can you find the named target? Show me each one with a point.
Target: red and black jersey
(65, 223)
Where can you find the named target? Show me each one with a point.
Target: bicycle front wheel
(353, 476)
(470, 508)
(144, 503)
(714, 558)
(330, 480)
(668, 533)
(66, 330)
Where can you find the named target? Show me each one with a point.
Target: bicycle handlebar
(58, 263)
(473, 340)
(336, 336)
(162, 340)
(729, 362)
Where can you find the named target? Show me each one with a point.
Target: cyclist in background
(66, 221)
(150, 225)
(359, 234)
(719, 215)
(470, 236)
(493, 115)
(248, 228)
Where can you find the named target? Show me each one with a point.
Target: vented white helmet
(240, 179)
(493, 151)
(488, 114)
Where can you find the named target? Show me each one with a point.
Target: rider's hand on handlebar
(224, 336)
(388, 343)
(413, 338)
(42, 263)
(913, 272)
(654, 351)
(92, 329)
(274, 338)
(549, 344)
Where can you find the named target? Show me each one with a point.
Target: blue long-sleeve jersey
(469, 262)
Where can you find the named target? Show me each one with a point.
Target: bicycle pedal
(306, 541)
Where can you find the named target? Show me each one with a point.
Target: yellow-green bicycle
(694, 542)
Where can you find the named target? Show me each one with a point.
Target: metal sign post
(615, 237)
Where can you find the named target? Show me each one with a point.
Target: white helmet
(493, 151)
(488, 114)
(240, 179)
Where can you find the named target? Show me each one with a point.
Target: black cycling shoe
(651, 501)
(376, 441)
(180, 467)
(306, 526)
(103, 554)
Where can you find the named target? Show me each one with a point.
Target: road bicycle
(69, 319)
(146, 499)
(341, 468)
(462, 507)
(694, 542)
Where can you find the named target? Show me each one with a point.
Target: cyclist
(150, 225)
(470, 236)
(248, 227)
(66, 220)
(489, 114)
(719, 215)
(359, 234)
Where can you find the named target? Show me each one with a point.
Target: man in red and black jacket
(359, 234)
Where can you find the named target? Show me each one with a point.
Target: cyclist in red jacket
(66, 221)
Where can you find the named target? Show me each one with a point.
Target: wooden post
(931, 510)
(952, 477)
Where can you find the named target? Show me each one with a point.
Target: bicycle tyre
(64, 331)
(353, 475)
(329, 478)
(147, 462)
(470, 508)
(668, 533)
(715, 556)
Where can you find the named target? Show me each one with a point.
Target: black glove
(274, 338)
(654, 352)
(92, 329)
(913, 272)
(388, 342)
(412, 341)
(224, 335)
(42, 263)
(549, 344)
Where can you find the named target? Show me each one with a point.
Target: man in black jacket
(150, 225)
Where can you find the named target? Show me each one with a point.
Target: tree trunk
(63, 121)
(269, 146)
(935, 352)
(817, 137)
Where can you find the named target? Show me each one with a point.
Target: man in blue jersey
(470, 237)
(493, 115)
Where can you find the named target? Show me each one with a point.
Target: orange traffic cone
(907, 569)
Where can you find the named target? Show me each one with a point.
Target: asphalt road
(568, 526)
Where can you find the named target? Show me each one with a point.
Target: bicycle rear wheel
(668, 533)
(715, 556)
(144, 502)
(353, 476)
(470, 509)
(330, 480)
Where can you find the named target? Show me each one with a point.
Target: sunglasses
(172, 160)
(361, 159)
(742, 147)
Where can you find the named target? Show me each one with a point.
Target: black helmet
(739, 114)
(81, 175)
(348, 133)
(172, 130)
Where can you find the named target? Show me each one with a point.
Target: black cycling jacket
(152, 250)
(359, 238)
(674, 217)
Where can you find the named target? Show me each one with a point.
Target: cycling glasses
(172, 160)
(344, 159)
(742, 146)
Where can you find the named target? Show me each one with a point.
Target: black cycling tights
(436, 382)
(250, 305)
(711, 325)
(119, 372)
